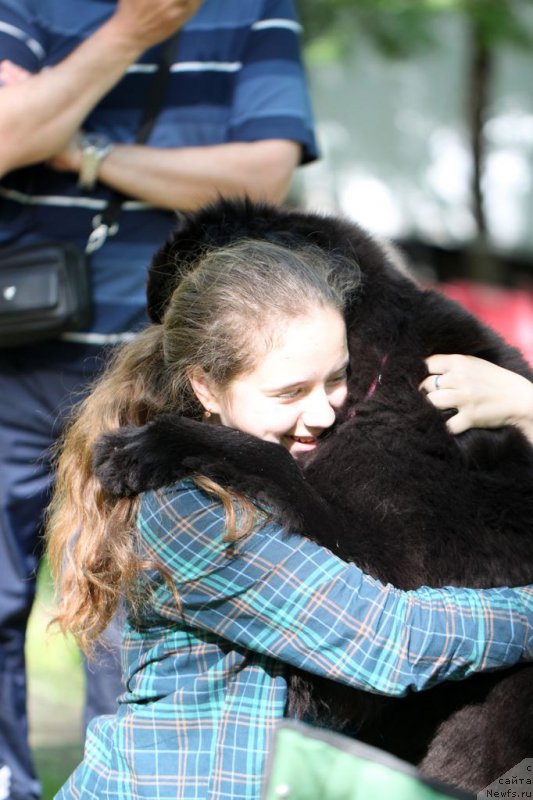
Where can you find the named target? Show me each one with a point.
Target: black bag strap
(106, 223)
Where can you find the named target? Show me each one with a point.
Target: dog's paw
(130, 461)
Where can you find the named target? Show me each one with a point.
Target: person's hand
(68, 159)
(148, 22)
(485, 395)
(11, 73)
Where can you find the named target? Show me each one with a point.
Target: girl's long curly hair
(222, 317)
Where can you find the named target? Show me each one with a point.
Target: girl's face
(293, 393)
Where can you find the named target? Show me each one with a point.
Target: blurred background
(425, 119)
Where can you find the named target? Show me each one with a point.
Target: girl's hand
(485, 395)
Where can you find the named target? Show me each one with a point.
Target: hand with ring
(484, 394)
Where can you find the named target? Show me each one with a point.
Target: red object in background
(508, 311)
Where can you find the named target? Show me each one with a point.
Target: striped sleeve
(271, 97)
(21, 38)
(284, 596)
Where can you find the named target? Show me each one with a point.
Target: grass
(55, 697)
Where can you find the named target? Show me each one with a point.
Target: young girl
(220, 599)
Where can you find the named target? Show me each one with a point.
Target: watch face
(97, 140)
(95, 147)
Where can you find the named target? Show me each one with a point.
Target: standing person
(236, 120)
(222, 600)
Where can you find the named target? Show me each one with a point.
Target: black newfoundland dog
(389, 488)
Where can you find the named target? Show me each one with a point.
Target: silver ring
(437, 381)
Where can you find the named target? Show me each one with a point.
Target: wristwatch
(95, 147)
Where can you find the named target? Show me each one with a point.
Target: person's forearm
(287, 597)
(39, 115)
(186, 178)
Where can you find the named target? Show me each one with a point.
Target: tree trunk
(481, 264)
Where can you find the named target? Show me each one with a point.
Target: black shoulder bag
(45, 287)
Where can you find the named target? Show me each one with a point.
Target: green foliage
(56, 693)
(53, 659)
(401, 28)
(499, 22)
(54, 765)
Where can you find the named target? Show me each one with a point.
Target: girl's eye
(290, 394)
(340, 378)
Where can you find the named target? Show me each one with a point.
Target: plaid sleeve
(286, 597)
(271, 98)
(21, 38)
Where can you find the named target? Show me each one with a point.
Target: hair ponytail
(89, 532)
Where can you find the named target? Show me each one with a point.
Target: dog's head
(389, 314)
(227, 221)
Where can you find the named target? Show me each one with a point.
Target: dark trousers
(37, 388)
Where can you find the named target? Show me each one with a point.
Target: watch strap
(93, 153)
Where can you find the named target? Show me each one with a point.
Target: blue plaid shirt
(206, 683)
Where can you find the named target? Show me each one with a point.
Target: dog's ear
(169, 264)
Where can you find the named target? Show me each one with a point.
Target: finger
(459, 423)
(435, 383)
(427, 385)
(451, 362)
(438, 364)
(12, 73)
(445, 398)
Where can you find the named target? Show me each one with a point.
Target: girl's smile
(296, 387)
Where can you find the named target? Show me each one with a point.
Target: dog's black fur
(388, 488)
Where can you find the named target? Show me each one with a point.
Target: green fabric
(313, 764)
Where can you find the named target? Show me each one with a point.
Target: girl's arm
(485, 395)
(286, 597)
